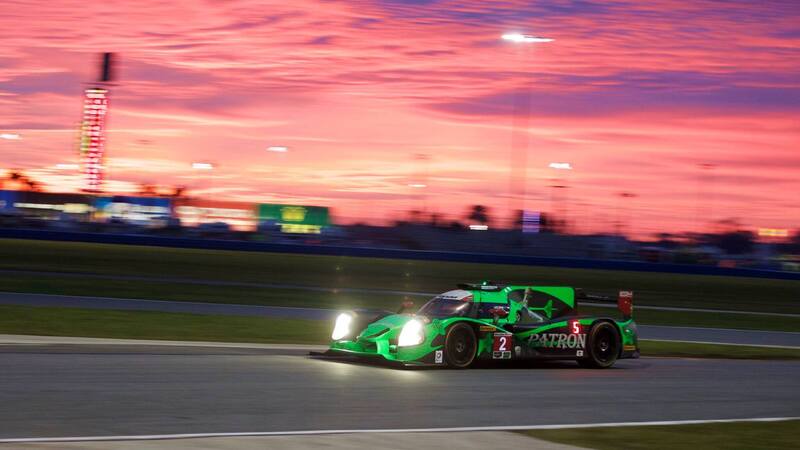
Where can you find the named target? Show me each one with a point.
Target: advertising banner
(295, 218)
(133, 210)
(239, 215)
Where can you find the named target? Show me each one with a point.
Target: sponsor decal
(557, 340)
(629, 347)
(501, 348)
(457, 294)
(579, 353)
(486, 328)
(438, 357)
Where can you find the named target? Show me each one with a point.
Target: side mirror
(498, 312)
(405, 306)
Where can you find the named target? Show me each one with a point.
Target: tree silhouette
(479, 213)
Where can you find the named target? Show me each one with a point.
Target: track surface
(73, 390)
(743, 337)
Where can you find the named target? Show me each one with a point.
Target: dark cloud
(321, 40)
(642, 91)
(133, 70)
(53, 83)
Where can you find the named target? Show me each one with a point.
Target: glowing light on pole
(517, 179)
(560, 165)
(518, 37)
(202, 166)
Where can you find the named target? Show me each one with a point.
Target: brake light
(625, 303)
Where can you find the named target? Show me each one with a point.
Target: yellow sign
(293, 213)
(773, 232)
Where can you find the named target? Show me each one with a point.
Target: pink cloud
(635, 95)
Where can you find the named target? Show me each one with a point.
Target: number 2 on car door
(502, 342)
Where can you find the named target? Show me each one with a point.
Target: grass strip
(739, 293)
(722, 351)
(46, 321)
(338, 300)
(729, 436)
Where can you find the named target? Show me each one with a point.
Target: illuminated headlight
(411, 334)
(342, 326)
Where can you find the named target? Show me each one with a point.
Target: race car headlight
(411, 334)
(342, 326)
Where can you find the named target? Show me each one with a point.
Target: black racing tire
(602, 346)
(460, 346)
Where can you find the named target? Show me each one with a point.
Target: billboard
(7, 199)
(295, 218)
(45, 205)
(240, 216)
(133, 210)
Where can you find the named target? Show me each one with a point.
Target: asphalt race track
(716, 335)
(102, 390)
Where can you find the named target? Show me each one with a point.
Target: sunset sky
(372, 96)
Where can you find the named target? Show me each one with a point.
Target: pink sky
(635, 95)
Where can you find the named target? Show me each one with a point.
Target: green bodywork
(541, 340)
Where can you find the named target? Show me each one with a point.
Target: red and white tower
(93, 129)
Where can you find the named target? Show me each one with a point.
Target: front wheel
(602, 346)
(460, 346)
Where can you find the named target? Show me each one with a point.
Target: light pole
(704, 197)
(206, 166)
(519, 138)
(563, 185)
(623, 196)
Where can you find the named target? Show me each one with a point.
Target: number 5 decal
(575, 327)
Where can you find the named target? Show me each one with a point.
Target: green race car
(489, 321)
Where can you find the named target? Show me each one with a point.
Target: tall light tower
(93, 128)
(519, 138)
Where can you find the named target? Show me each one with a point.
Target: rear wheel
(602, 346)
(460, 346)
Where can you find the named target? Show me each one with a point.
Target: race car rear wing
(624, 301)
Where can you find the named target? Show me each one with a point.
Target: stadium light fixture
(417, 185)
(10, 136)
(278, 149)
(519, 37)
(560, 165)
(202, 166)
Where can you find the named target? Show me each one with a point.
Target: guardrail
(486, 258)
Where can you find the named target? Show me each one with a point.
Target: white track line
(722, 343)
(21, 339)
(705, 310)
(399, 430)
(670, 327)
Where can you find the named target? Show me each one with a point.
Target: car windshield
(444, 307)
